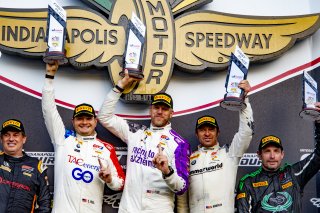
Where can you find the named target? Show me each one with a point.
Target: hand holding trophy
(310, 108)
(56, 34)
(237, 73)
(133, 56)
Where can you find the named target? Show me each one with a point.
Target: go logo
(86, 176)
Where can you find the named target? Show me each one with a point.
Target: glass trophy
(237, 71)
(56, 34)
(135, 41)
(309, 98)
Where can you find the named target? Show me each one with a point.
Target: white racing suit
(213, 171)
(145, 189)
(77, 186)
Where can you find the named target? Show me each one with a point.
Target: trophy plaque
(56, 34)
(309, 97)
(134, 46)
(237, 71)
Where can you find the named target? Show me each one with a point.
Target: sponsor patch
(25, 168)
(5, 168)
(11, 122)
(149, 191)
(207, 169)
(241, 195)
(214, 206)
(287, 185)
(259, 184)
(83, 108)
(164, 137)
(210, 119)
(96, 146)
(162, 97)
(27, 174)
(194, 156)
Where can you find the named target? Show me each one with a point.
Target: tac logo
(193, 41)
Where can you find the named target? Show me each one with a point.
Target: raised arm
(51, 115)
(243, 137)
(308, 167)
(106, 116)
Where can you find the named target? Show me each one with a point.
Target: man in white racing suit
(158, 158)
(213, 168)
(83, 163)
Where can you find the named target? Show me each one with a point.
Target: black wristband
(169, 174)
(119, 88)
(50, 76)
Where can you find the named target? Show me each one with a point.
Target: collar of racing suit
(269, 173)
(153, 128)
(86, 138)
(14, 159)
(204, 149)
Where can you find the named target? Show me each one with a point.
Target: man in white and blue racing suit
(83, 163)
(213, 168)
(158, 158)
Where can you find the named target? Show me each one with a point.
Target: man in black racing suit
(23, 182)
(273, 188)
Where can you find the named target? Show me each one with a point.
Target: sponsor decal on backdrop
(315, 201)
(250, 159)
(112, 200)
(205, 38)
(48, 157)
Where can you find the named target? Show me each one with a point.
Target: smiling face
(160, 115)
(84, 125)
(207, 135)
(271, 157)
(12, 142)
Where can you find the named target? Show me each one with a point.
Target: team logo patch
(278, 202)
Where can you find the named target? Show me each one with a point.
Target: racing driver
(158, 158)
(83, 163)
(213, 168)
(23, 184)
(273, 188)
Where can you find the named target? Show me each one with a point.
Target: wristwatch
(169, 174)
